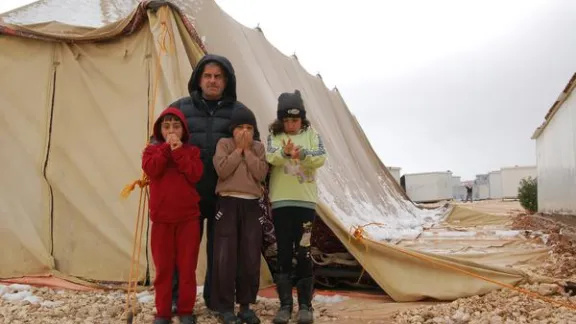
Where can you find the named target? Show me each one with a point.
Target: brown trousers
(237, 253)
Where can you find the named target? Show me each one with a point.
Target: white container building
(495, 184)
(429, 186)
(511, 177)
(458, 192)
(556, 155)
(481, 188)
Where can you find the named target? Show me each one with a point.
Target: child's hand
(295, 154)
(176, 144)
(173, 141)
(248, 138)
(239, 139)
(169, 139)
(288, 146)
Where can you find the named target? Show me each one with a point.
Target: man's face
(212, 82)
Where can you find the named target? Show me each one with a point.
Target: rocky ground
(509, 306)
(503, 306)
(21, 304)
(561, 263)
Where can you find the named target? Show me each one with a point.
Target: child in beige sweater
(241, 166)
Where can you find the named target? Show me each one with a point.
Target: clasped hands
(243, 139)
(290, 149)
(173, 141)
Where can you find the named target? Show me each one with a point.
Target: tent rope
(165, 46)
(359, 235)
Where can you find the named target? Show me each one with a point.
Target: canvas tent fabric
(76, 109)
(81, 106)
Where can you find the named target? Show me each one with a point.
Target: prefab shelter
(81, 84)
(556, 155)
(458, 191)
(481, 187)
(511, 177)
(495, 184)
(429, 186)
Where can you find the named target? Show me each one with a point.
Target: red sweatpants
(175, 245)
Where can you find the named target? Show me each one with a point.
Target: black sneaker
(160, 320)
(229, 318)
(248, 317)
(187, 319)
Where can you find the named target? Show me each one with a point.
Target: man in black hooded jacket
(207, 110)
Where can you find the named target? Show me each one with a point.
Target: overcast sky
(437, 85)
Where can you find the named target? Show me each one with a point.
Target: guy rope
(166, 47)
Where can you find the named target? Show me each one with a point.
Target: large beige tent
(76, 100)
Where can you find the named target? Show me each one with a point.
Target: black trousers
(237, 253)
(293, 230)
(208, 211)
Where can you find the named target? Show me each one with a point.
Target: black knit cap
(242, 115)
(291, 105)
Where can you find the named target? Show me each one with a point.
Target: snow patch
(113, 11)
(3, 290)
(395, 218)
(23, 293)
(87, 13)
(330, 299)
(145, 297)
(17, 295)
(17, 292)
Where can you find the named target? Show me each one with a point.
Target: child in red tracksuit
(173, 167)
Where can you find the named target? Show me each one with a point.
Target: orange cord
(166, 46)
(135, 261)
(358, 233)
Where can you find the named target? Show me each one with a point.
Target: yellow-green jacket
(293, 182)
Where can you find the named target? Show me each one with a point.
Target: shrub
(528, 194)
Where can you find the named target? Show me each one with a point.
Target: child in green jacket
(296, 152)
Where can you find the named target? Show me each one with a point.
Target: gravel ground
(21, 304)
(502, 306)
(561, 263)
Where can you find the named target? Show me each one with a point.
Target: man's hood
(172, 111)
(229, 91)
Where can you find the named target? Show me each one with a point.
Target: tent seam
(48, 148)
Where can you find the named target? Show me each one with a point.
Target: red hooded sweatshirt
(173, 175)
